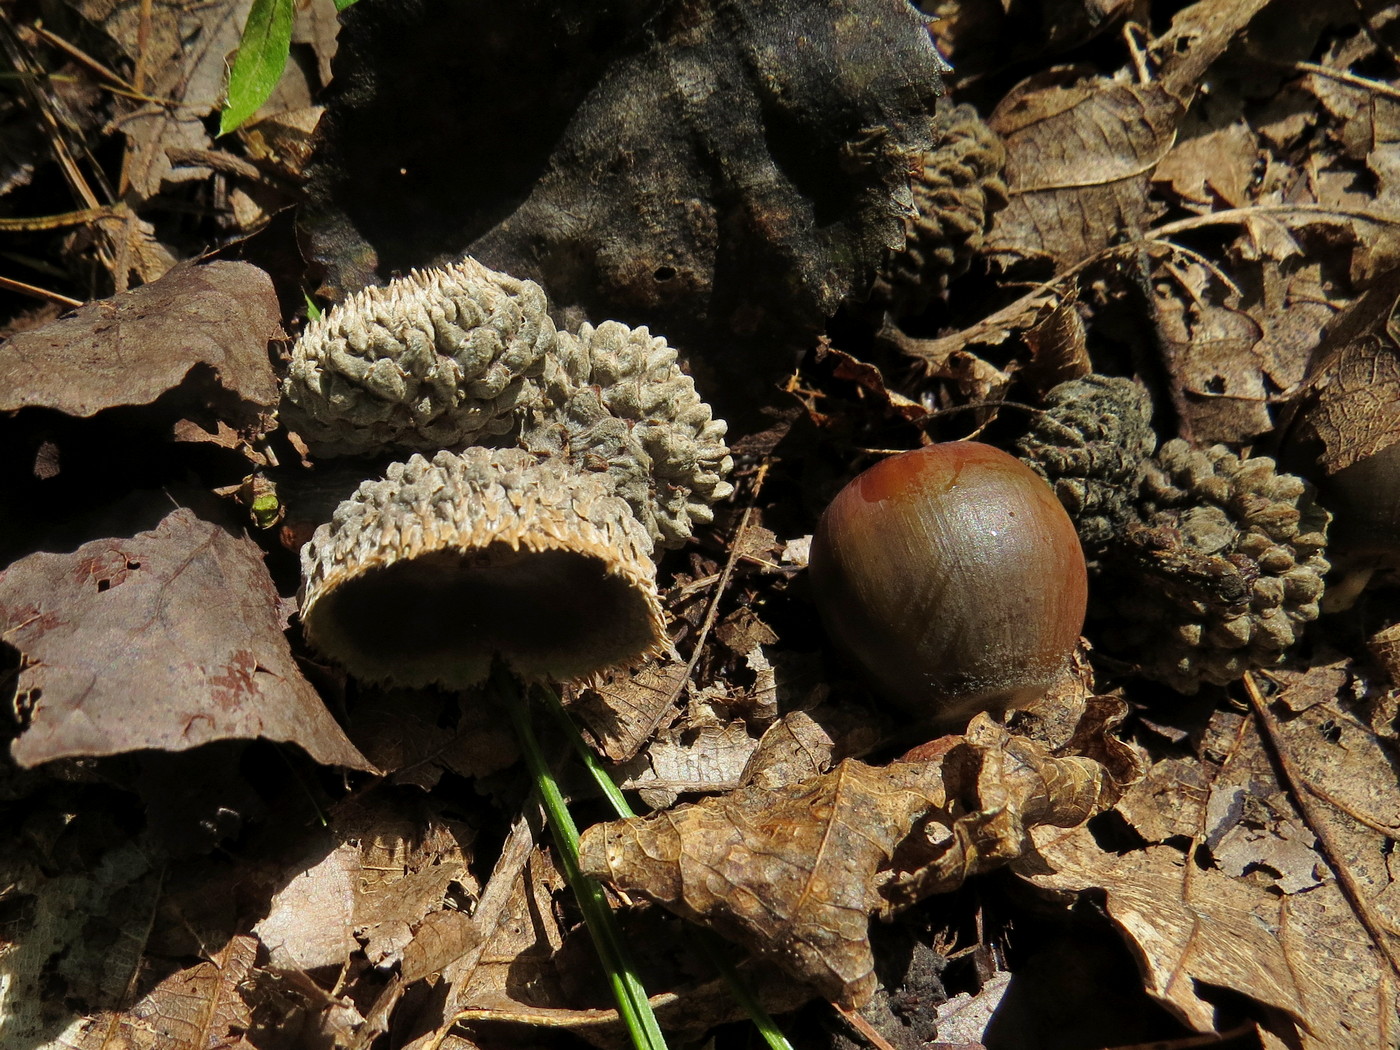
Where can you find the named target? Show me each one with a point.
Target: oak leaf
(796, 872)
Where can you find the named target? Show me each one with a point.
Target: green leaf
(341, 5)
(262, 55)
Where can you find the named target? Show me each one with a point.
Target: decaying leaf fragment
(795, 872)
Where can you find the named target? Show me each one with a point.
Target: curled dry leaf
(1079, 159)
(1255, 905)
(167, 639)
(202, 330)
(796, 872)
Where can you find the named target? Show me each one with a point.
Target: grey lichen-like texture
(562, 462)
(439, 359)
(615, 398)
(447, 359)
(958, 188)
(1237, 550)
(421, 577)
(1092, 443)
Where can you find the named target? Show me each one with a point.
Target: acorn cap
(1092, 443)
(441, 358)
(1240, 560)
(958, 187)
(422, 577)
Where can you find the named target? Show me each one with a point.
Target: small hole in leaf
(103, 585)
(1215, 385)
(664, 273)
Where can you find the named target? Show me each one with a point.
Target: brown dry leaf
(870, 379)
(167, 639)
(945, 357)
(1213, 167)
(1080, 154)
(201, 329)
(179, 52)
(193, 1009)
(623, 711)
(372, 877)
(1356, 381)
(1058, 348)
(1211, 352)
(795, 873)
(1199, 35)
(1253, 906)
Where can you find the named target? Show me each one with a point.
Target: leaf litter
(1212, 209)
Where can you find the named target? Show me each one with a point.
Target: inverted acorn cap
(420, 578)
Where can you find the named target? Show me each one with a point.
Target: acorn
(953, 577)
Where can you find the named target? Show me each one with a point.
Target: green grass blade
(262, 55)
(632, 1004)
(709, 944)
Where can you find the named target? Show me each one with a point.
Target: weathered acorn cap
(420, 578)
(1247, 565)
(441, 358)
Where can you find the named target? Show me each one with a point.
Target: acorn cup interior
(441, 616)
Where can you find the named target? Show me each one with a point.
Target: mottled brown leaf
(201, 329)
(1356, 381)
(1253, 905)
(623, 711)
(795, 872)
(1079, 159)
(167, 639)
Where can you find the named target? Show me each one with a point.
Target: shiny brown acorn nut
(953, 577)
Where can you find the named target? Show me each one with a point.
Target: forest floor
(214, 835)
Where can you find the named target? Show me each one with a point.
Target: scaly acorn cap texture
(421, 577)
(1232, 552)
(438, 359)
(615, 398)
(1093, 443)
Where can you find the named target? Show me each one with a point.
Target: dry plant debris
(1200, 208)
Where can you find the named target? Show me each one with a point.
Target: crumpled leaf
(795, 872)
(202, 329)
(167, 639)
(724, 173)
(1079, 159)
(1252, 905)
(369, 881)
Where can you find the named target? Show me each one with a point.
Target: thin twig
(12, 285)
(712, 613)
(1332, 851)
